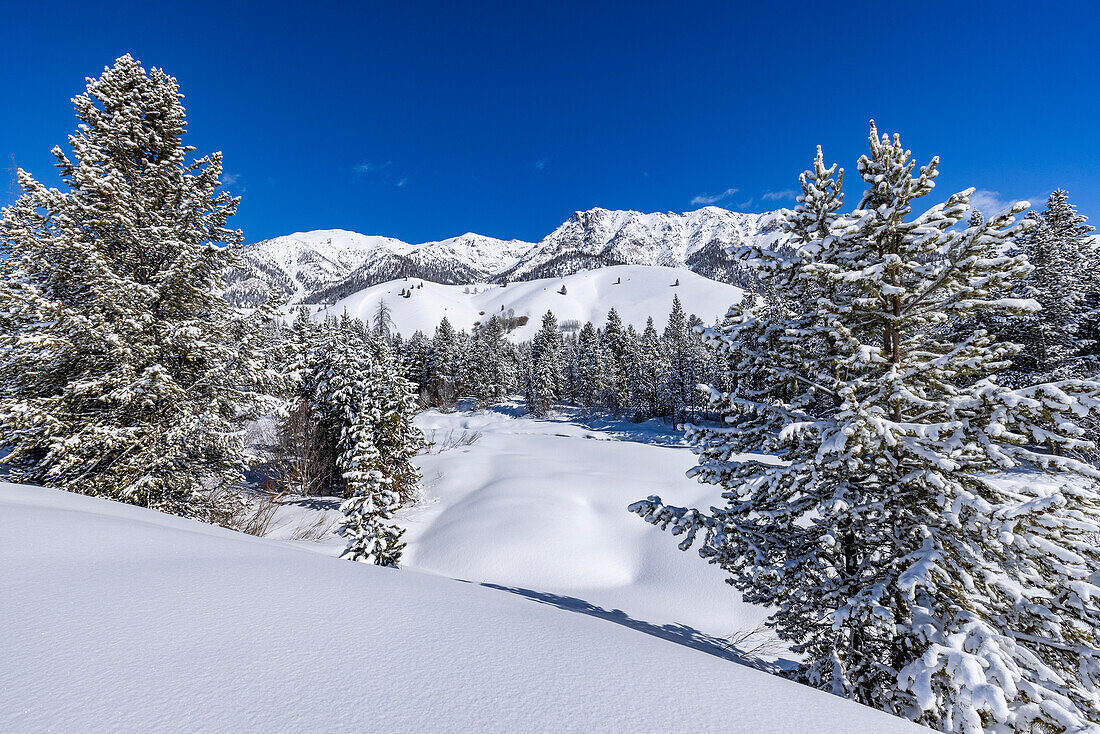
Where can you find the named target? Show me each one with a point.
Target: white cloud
(368, 167)
(382, 174)
(779, 195)
(706, 200)
(228, 179)
(541, 163)
(745, 204)
(989, 203)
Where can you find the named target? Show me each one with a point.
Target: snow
(568, 614)
(644, 291)
(121, 618)
(304, 263)
(539, 504)
(659, 238)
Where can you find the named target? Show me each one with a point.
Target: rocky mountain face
(326, 265)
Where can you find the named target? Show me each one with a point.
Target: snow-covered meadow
(538, 506)
(574, 614)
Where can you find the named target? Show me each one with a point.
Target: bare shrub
(247, 513)
(315, 531)
(569, 326)
(439, 393)
(756, 642)
(300, 463)
(451, 440)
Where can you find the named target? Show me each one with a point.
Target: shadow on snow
(678, 633)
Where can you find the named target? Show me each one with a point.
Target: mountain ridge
(323, 266)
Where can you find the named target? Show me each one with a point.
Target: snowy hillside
(141, 621)
(326, 265)
(643, 291)
(696, 240)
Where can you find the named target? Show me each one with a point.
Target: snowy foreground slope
(643, 291)
(118, 618)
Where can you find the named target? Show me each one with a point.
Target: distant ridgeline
(321, 267)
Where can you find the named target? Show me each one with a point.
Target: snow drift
(120, 618)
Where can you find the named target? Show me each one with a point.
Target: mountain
(324, 266)
(697, 240)
(328, 264)
(635, 291)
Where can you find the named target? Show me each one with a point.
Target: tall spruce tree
(909, 576)
(492, 367)
(616, 344)
(1064, 283)
(545, 368)
(379, 444)
(648, 374)
(125, 374)
(676, 345)
(591, 368)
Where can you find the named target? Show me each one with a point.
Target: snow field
(644, 291)
(138, 621)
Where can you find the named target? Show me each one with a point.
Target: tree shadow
(678, 633)
(315, 503)
(655, 431)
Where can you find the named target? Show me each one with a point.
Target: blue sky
(427, 120)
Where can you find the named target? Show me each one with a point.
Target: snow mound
(635, 291)
(118, 618)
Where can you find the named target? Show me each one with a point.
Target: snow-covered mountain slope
(696, 240)
(324, 266)
(118, 618)
(635, 291)
(297, 265)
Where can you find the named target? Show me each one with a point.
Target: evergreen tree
(1063, 282)
(545, 369)
(907, 577)
(367, 512)
(123, 373)
(339, 369)
(616, 345)
(443, 366)
(591, 368)
(649, 371)
(492, 364)
(676, 345)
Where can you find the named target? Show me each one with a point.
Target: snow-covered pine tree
(615, 346)
(909, 576)
(492, 363)
(341, 362)
(396, 438)
(545, 367)
(1048, 337)
(416, 360)
(570, 389)
(697, 364)
(367, 513)
(443, 366)
(125, 374)
(1064, 283)
(648, 374)
(676, 345)
(591, 368)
